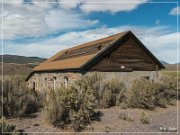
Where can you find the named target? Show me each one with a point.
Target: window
(34, 86)
(66, 52)
(66, 81)
(99, 47)
(146, 77)
(45, 81)
(54, 83)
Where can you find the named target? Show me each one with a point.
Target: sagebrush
(144, 118)
(147, 94)
(7, 129)
(18, 100)
(108, 92)
(73, 106)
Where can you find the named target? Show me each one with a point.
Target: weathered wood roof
(82, 57)
(77, 56)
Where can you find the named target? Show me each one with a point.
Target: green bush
(112, 93)
(141, 94)
(147, 94)
(95, 82)
(107, 92)
(106, 99)
(18, 100)
(144, 119)
(74, 106)
(170, 86)
(165, 92)
(7, 129)
(56, 107)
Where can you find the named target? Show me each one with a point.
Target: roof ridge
(95, 40)
(109, 39)
(86, 44)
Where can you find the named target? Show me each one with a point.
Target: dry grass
(16, 69)
(170, 73)
(18, 100)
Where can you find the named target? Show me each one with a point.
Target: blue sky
(43, 28)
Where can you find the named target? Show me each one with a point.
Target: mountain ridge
(7, 58)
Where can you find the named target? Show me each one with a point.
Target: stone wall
(128, 77)
(47, 81)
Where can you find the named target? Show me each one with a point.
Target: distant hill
(164, 63)
(171, 67)
(16, 69)
(18, 65)
(20, 59)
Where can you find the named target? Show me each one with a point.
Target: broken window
(34, 86)
(45, 81)
(146, 77)
(99, 47)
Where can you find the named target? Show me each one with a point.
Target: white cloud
(160, 40)
(112, 6)
(88, 6)
(25, 20)
(12, 1)
(164, 46)
(69, 4)
(43, 17)
(175, 11)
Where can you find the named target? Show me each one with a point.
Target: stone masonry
(47, 81)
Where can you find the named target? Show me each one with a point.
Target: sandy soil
(110, 122)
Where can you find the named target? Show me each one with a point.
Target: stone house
(121, 55)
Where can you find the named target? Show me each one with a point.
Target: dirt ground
(110, 122)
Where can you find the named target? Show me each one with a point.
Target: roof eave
(53, 70)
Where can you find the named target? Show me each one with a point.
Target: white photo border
(2, 44)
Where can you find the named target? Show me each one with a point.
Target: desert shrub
(141, 94)
(165, 92)
(95, 82)
(147, 94)
(170, 86)
(161, 96)
(124, 116)
(7, 128)
(112, 93)
(144, 119)
(106, 99)
(18, 100)
(107, 92)
(117, 89)
(74, 106)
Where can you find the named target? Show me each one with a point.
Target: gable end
(151, 62)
